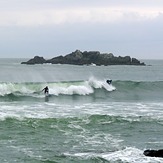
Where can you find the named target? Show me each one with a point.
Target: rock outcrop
(87, 58)
(35, 60)
(154, 153)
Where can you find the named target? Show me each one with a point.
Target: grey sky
(53, 27)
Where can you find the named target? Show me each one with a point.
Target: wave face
(30, 90)
(91, 89)
(143, 90)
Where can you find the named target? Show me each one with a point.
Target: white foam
(130, 155)
(7, 88)
(128, 111)
(72, 89)
(83, 88)
(100, 84)
(127, 155)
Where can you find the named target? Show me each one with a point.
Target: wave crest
(56, 88)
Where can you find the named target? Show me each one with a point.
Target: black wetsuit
(109, 81)
(46, 90)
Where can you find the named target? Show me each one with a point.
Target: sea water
(83, 120)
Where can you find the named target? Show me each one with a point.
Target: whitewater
(83, 119)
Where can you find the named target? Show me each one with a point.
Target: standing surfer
(46, 90)
(109, 81)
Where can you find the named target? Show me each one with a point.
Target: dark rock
(56, 60)
(154, 153)
(35, 60)
(87, 58)
(136, 62)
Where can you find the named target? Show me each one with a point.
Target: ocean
(84, 119)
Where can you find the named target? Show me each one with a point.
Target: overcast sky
(50, 28)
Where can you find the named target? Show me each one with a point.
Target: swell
(138, 91)
(87, 120)
(139, 85)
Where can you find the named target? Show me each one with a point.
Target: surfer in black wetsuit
(109, 81)
(46, 90)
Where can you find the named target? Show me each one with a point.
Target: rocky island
(87, 58)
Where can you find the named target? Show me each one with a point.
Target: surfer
(109, 81)
(46, 90)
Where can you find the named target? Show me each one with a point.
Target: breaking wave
(92, 88)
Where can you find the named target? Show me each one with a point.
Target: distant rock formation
(87, 58)
(35, 60)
